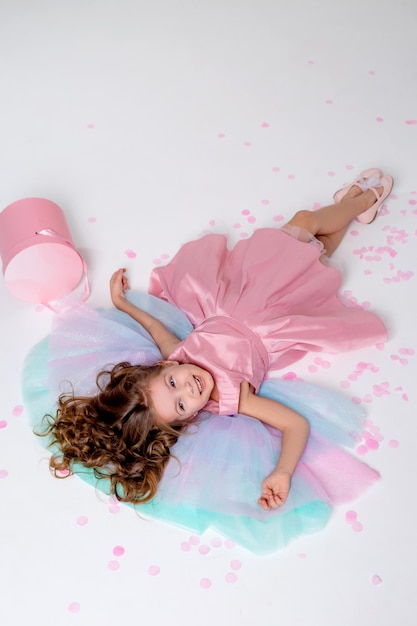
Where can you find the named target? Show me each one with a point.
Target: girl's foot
(367, 196)
(359, 184)
(377, 194)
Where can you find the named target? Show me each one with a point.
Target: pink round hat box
(40, 261)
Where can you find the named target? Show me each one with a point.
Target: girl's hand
(295, 430)
(246, 392)
(275, 490)
(118, 288)
(164, 339)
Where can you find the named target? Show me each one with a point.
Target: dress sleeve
(230, 356)
(227, 381)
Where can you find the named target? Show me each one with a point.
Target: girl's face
(179, 391)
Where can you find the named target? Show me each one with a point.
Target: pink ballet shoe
(359, 182)
(368, 216)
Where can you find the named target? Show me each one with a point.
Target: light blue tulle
(214, 481)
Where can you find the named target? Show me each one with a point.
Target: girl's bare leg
(329, 224)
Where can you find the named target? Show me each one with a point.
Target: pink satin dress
(259, 307)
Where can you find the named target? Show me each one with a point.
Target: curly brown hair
(114, 432)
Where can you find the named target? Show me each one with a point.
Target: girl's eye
(181, 406)
(172, 382)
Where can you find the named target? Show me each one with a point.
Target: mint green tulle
(208, 492)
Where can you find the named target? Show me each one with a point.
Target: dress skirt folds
(273, 295)
(259, 307)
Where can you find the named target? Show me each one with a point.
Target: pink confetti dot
(154, 570)
(291, 176)
(357, 527)
(39, 308)
(351, 516)
(331, 173)
(4, 473)
(411, 122)
(302, 555)
(265, 202)
(130, 254)
(409, 351)
(247, 144)
(345, 384)
(185, 546)
(216, 542)
(156, 261)
(229, 544)
(194, 540)
(316, 205)
(74, 607)
(82, 520)
(243, 235)
(3, 424)
(237, 225)
(114, 508)
(379, 119)
(221, 135)
(329, 101)
(278, 218)
(393, 443)
(204, 549)
(276, 170)
(245, 212)
(113, 565)
(312, 368)
(290, 376)
(251, 219)
(349, 167)
(212, 222)
(356, 400)
(372, 444)
(92, 220)
(118, 550)
(371, 73)
(205, 583)
(231, 577)
(18, 410)
(362, 450)
(265, 125)
(376, 580)
(236, 564)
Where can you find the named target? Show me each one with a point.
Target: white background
(149, 123)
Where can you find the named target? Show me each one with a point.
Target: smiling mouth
(199, 383)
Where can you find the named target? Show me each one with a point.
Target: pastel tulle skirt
(215, 479)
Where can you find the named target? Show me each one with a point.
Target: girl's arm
(163, 338)
(295, 430)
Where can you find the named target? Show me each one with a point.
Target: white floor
(150, 123)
